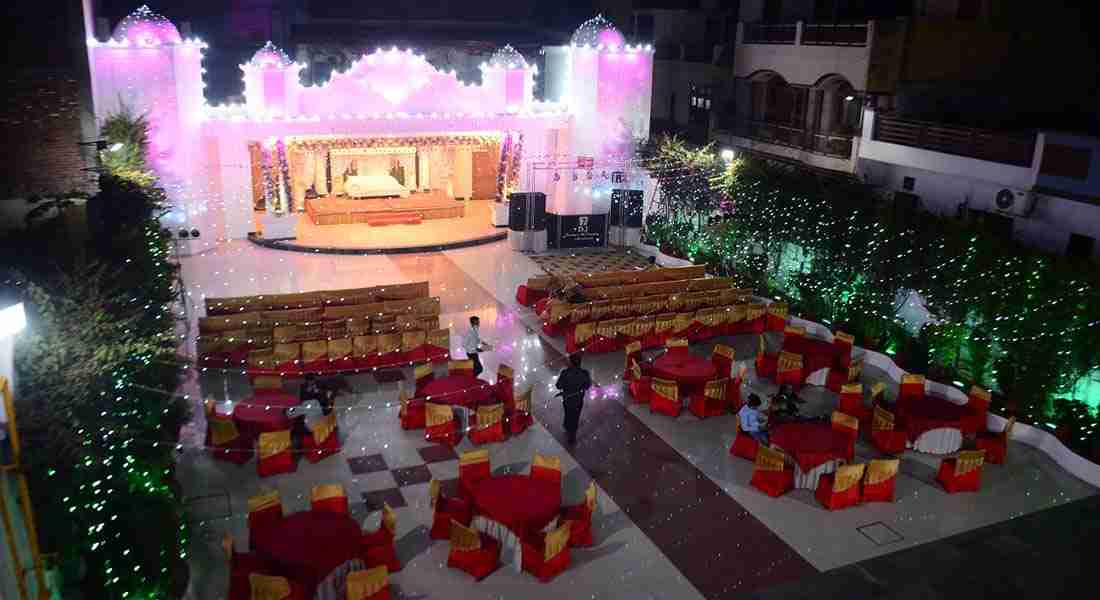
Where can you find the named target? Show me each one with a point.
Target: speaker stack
(626, 217)
(527, 221)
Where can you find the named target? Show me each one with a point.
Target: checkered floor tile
(591, 262)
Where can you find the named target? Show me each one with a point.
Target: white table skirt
(509, 542)
(939, 441)
(808, 480)
(334, 585)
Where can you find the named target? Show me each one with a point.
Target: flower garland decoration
(270, 200)
(502, 168)
(513, 172)
(284, 173)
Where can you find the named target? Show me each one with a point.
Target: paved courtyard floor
(677, 517)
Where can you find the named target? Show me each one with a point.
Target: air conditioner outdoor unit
(1018, 203)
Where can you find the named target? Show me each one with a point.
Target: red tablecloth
(683, 367)
(263, 412)
(308, 545)
(816, 354)
(925, 413)
(811, 444)
(458, 390)
(520, 503)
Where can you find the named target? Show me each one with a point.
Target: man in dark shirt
(573, 383)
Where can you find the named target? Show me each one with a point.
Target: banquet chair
(547, 555)
(912, 387)
(445, 510)
(440, 424)
(770, 473)
(472, 551)
(329, 497)
(377, 547)
(640, 385)
(633, 352)
(712, 403)
(794, 337)
(963, 472)
(851, 402)
(506, 388)
(733, 390)
(766, 363)
(264, 510)
(849, 426)
(521, 418)
(776, 316)
(423, 374)
(275, 454)
(843, 344)
(226, 441)
(270, 587)
(546, 468)
(675, 345)
(413, 411)
(788, 370)
(473, 468)
(722, 358)
(838, 376)
(878, 394)
(267, 382)
(744, 445)
(664, 397)
(883, 433)
(315, 356)
(370, 584)
(323, 439)
(978, 418)
(461, 367)
(841, 489)
(241, 566)
(996, 444)
(488, 425)
(579, 517)
(880, 479)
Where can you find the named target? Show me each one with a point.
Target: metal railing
(834, 34)
(1018, 150)
(769, 33)
(828, 144)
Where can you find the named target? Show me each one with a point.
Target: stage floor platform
(472, 229)
(334, 210)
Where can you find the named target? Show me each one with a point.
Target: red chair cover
(329, 498)
(912, 387)
(733, 392)
(546, 468)
(712, 402)
(995, 444)
(441, 427)
(506, 388)
(633, 352)
(473, 468)
(770, 473)
(492, 429)
(665, 398)
(744, 445)
(479, 562)
(275, 454)
(766, 365)
(956, 477)
(851, 402)
(642, 390)
(722, 357)
(580, 518)
(424, 374)
(377, 546)
(843, 343)
(241, 565)
(849, 426)
(846, 477)
(878, 483)
(323, 440)
(445, 510)
(412, 413)
(264, 511)
(534, 552)
(978, 418)
(226, 442)
(890, 441)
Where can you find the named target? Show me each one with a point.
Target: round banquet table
(309, 545)
(512, 507)
(264, 412)
(937, 416)
(815, 447)
(690, 371)
(458, 390)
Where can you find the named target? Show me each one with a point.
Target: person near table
(473, 345)
(312, 390)
(786, 403)
(573, 383)
(752, 420)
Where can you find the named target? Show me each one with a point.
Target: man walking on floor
(573, 383)
(473, 345)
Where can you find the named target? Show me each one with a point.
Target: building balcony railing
(992, 146)
(829, 144)
(807, 34)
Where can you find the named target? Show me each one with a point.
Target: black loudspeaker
(527, 211)
(626, 208)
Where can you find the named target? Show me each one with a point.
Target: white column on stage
(320, 178)
(463, 167)
(423, 176)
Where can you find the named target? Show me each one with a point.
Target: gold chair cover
(635, 369)
(761, 348)
(981, 393)
(877, 389)
(881, 469)
(264, 500)
(260, 336)
(274, 442)
(845, 337)
(389, 342)
(769, 459)
(267, 382)
(599, 309)
(792, 330)
(324, 427)
(968, 460)
(359, 326)
(754, 311)
(789, 361)
(222, 430)
(223, 306)
(364, 584)
(608, 329)
(715, 389)
(339, 348)
(583, 332)
(682, 322)
(314, 350)
(437, 414)
(460, 365)
(663, 323)
(389, 518)
(855, 369)
(489, 415)
(547, 461)
(365, 345)
(912, 378)
(847, 476)
(590, 497)
(441, 338)
(882, 420)
(411, 340)
(523, 401)
(737, 313)
(287, 353)
(284, 333)
(666, 388)
(557, 541)
(845, 420)
(422, 370)
(326, 491)
(434, 490)
(724, 350)
(505, 372)
(779, 309)
(348, 297)
(852, 388)
(676, 343)
(268, 587)
(464, 538)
